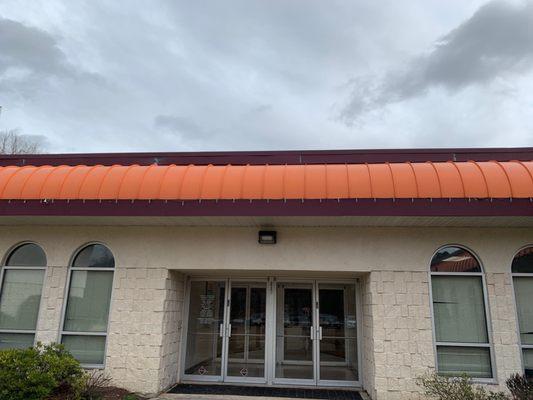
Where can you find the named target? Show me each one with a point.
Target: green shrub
(38, 372)
(131, 397)
(520, 386)
(446, 388)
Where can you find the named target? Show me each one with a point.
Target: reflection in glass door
(281, 332)
(337, 334)
(316, 333)
(246, 331)
(203, 358)
(294, 332)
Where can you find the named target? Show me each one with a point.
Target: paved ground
(218, 397)
(263, 392)
(214, 397)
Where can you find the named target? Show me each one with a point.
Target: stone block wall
(172, 324)
(398, 341)
(48, 324)
(143, 341)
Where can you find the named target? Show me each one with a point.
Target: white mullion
(69, 333)
(92, 269)
(522, 275)
(519, 335)
(21, 331)
(462, 344)
(28, 268)
(2, 272)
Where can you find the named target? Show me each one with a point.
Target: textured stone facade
(146, 317)
(143, 341)
(400, 346)
(172, 324)
(52, 299)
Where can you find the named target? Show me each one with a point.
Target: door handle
(319, 333)
(221, 330)
(312, 332)
(229, 330)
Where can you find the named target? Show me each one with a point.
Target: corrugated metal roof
(492, 179)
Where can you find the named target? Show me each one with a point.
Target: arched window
(21, 283)
(522, 269)
(460, 314)
(86, 314)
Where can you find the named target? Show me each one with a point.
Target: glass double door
(226, 334)
(316, 334)
(272, 332)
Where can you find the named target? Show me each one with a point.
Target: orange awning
(512, 179)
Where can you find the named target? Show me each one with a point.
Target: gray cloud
(33, 66)
(30, 48)
(496, 41)
(261, 108)
(185, 127)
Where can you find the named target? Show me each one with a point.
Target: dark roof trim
(288, 208)
(275, 157)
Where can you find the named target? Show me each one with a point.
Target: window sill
(485, 381)
(92, 366)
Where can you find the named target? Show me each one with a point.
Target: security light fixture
(267, 237)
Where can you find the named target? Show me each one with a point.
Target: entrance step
(174, 396)
(206, 392)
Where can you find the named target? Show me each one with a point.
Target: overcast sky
(272, 74)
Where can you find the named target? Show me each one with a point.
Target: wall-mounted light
(267, 237)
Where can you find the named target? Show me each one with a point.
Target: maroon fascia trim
(288, 208)
(275, 157)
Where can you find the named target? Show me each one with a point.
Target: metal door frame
(185, 331)
(330, 382)
(315, 332)
(270, 332)
(224, 332)
(248, 283)
(291, 283)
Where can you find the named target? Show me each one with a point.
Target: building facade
(322, 269)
